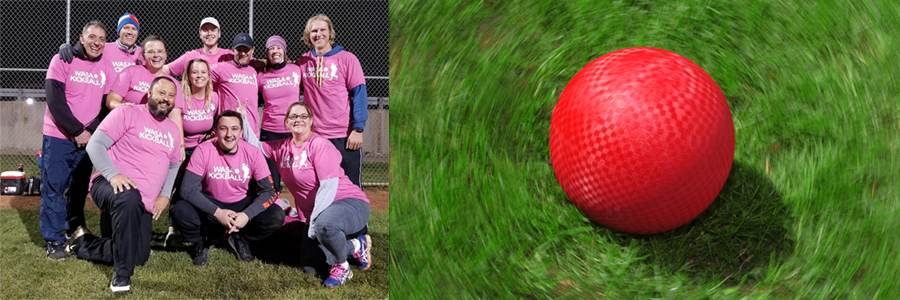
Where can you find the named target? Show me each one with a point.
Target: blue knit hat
(127, 18)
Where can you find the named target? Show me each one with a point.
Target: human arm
(175, 116)
(98, 151)
(59, 107)
(191, 190)
(324, 197)
(162, 201)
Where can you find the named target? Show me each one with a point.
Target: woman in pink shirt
(201, 107)
(279, 86)
(132, 84)
(328, 202)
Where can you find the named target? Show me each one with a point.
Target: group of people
(119, 108)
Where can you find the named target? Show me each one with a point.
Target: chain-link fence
(33, 31)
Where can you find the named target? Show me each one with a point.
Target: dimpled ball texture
(642, 140)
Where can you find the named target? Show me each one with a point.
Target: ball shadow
(741, 230)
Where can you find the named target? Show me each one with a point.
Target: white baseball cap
(210, 20)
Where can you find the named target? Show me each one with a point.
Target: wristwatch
(360, 130)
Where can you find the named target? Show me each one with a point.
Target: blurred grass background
(810, 207)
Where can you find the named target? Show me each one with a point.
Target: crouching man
(216, 184)
(127, 150)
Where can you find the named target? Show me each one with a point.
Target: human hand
(162, 203)
(225, 217)
(355, 140)
(121, 183)
(183, 155)
(82, 139)
(240, 220)
(242, 107)
(66, 53)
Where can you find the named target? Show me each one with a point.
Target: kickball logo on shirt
(243, 79)
(295, 162)
(194, 115)
(89, 78)
(226, 173)
(293, 80)
(121, 65)
(141, 86)
(164, 139)
(329, 72)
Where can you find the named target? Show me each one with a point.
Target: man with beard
(216, 184)
(131, 185)
(235, 80)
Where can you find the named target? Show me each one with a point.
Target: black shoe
(76, 240)
(201, 253)
(240, 247)
(120, 285)
(56, 250)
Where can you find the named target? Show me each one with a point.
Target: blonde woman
(200, 109)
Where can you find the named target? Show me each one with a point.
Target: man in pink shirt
(133, 183)
(235, 80)
(123, 52)
(209, 35)
(75, 94)
(216, 185)
(332, 81)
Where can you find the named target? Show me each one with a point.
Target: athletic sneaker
(56, 250)
(364, 255)
(120, 285)
(339, 276)
(76, 240)
(240, 247)
(201, 253)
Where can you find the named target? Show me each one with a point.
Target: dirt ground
(378, 198)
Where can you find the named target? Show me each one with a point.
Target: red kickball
(642, 140)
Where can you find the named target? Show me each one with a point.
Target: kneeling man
(216, 184)
(128, 150)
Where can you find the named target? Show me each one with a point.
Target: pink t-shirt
(198, 119)
(302, 167)
(226, 177)
(177, 67)
(134, 83)
(330, 103)
(86, 83)
(279, 89)
(234, 83)
(121, 59)
(143, 148)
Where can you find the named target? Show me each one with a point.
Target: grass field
(28, 273)
(810, 209)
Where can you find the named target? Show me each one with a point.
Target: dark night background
(33, 30)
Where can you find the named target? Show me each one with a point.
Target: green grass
(27, 273)
(810, 208)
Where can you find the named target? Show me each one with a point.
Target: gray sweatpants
(343, 217)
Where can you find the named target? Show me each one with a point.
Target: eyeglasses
(302, 117)
(155, 52)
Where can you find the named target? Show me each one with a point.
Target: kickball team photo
(248, 158)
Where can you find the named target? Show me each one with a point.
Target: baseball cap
(210, 20)
(242, 39)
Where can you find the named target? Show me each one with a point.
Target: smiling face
(93, 38)
(128, 35)
(209, 35)
(320, 34)
(199, 74)
(242, 55)
(161, 97)
(298, 119)
(155, 54)
(229, 132)
(275, 54)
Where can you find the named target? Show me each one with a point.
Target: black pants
(351, 160)
(195, 224)
(178, 179)
(129, 241)
(265, 136)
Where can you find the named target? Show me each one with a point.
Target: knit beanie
(127, 18)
